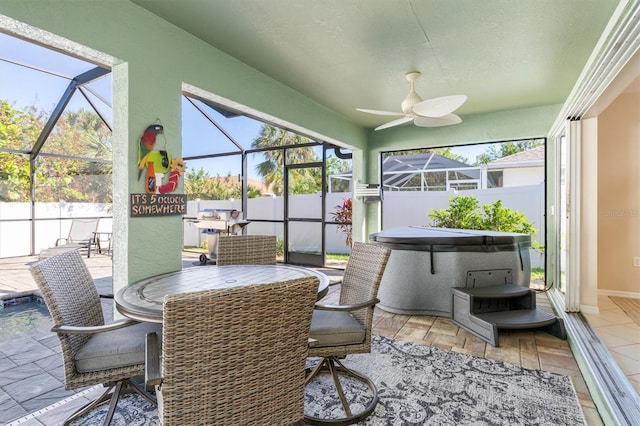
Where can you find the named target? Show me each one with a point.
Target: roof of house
(530, 157)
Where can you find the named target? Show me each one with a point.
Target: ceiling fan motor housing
(408, 102)
(412, 98)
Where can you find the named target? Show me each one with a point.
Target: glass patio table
(143, 300)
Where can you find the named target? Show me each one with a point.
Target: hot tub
(425, 263)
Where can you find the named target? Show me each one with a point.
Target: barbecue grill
(216, 222)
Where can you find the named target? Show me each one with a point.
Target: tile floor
(30, 366)
(621, 336)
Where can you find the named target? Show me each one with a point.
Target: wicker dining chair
(233, 356)
(93, 353)
(344, 329)
(246, 250)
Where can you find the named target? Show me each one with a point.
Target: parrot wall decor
(157, 163)
(146, 145)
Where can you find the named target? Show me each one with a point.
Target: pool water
(24, 318)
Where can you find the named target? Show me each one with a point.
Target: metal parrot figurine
(147, 142)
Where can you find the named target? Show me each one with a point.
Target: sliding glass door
(563, 212)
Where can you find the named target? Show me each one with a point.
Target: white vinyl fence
(399, 209)
(54, 221)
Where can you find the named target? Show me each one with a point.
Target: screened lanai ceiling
(398, 170)
(51, 83)
(502, 54)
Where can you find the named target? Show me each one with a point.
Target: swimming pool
(24, 318)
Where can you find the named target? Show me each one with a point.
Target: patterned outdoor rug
(422, 385)
(630, 306)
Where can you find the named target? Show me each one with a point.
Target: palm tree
(272, 168)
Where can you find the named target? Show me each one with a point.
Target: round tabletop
(143, 300)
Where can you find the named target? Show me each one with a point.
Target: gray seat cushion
(117, 348)
(334, 328)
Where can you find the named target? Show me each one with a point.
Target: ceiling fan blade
(446, 120)
(396, 122)
(375, 111)
(439, 107)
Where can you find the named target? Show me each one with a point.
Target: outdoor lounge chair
(233, 356)
(246, 250)
(343, 329)
(93, 353)
(82, 235)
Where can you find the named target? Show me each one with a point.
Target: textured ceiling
(348, 54)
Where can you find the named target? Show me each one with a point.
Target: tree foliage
(335, 166)
(200, 184)
(69, 174)
(17, 129)
(272, 168)
(301, 181)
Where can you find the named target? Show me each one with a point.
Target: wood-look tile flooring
(528, 349)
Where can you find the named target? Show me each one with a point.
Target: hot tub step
(497, 291)
(483, 311)
(523, 318)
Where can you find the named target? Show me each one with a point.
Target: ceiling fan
(430, 113)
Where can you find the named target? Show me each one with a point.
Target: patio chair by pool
(82, 235)
(93, 353)
(233, 356)
(247, 250)
(343, 329)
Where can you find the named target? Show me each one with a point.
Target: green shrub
(280, 247)
(499, 218)
(464, 212)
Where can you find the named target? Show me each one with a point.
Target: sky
(27, 86)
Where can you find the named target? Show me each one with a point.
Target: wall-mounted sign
(158, 204)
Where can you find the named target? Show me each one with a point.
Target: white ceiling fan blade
(439, 107)
(397, 122)
(377, 112)
(446, 120)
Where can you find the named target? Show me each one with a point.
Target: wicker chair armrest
(152, 377)
(69, 329)
(312, 342)
(352, 307)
